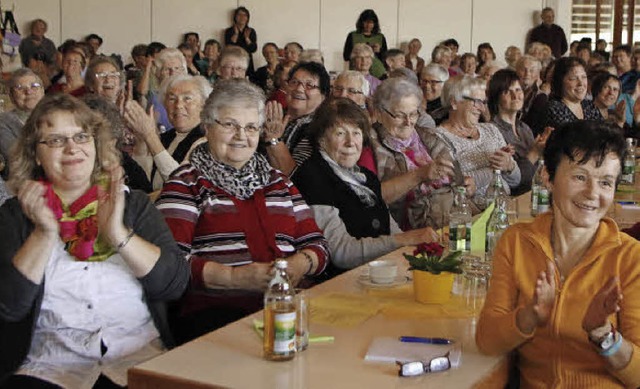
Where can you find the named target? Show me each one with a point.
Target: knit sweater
(559, 353)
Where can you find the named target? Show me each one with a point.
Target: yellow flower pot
(430, 288)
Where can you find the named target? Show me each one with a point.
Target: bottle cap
(497, 171)
(281, 264)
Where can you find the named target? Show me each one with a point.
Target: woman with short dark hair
(240, 34)
(368, 32)
(353, 214)
(568, 102)
(505, 100)
(565, 289)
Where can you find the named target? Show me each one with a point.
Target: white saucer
(366, 281)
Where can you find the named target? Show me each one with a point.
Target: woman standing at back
(368, 31)
(240, 34)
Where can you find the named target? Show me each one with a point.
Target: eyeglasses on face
(173, 70)
(34, 86)
(105, 75)
(403, 116)
(230, 127)
(433, 83)
(412, 369)
(479, 103)
(56, 141)
(186, 99)
(350, 91)
(307, 85)
(237, 69)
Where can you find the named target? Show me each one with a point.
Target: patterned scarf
(416, 155)
(242, 183)
(354, 179)
(79, 225)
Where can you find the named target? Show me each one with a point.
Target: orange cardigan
(559, 354)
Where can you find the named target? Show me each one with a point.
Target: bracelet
(308, 259)
(613, 349)
(274, 141)
(125, 240)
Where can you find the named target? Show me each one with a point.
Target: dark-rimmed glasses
(308, 86)
(412, 369)
(403, 116)
(478, 103)
(57, 141)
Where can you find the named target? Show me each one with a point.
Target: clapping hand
(438, 169)
(604, 304)
(501, 159)
(544, 297)
(34, 205)
(111, 206)
(142, 123)
(276, 120)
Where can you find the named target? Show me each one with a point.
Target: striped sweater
(211, 225)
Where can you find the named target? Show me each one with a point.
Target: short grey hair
(233, 93)
(435, 70)
(168, 53)
(202, 85)
(17, 75)
(234, 52)
(22, 72)
(457, 87)
(361, 49)
(438, 52)
(394, 89)
(90, 75)
(404, 73)
(355, 75)
(528, 57)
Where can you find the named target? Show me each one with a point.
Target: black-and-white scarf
(240, 183)
(354, 178)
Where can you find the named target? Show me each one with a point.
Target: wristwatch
(274, 141)
(606, 341)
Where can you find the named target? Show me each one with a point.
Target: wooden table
(231, 357)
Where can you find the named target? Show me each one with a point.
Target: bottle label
(535, 194)
(284, 325)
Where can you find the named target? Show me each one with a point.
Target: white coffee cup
(383, 271)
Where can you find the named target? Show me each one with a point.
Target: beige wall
(320, 24)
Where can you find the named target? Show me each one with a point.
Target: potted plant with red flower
(433, 272)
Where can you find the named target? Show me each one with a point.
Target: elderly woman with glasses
(413, 164)
(25, 91)
(103, 77)
(568, 101)
(480, 148)
(86, 265)
(168, 62)
(233, 215)
(286, 138)
(352, 85)
(432, 79)
(234, 62)
(161, 154)
(353, 214)
(361, 60)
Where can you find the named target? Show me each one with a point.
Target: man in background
(549, 33)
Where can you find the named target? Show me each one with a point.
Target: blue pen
(418, 339)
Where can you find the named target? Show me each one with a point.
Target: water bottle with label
(539, 192)
(460, 222)
(629, 165)
(279, 343)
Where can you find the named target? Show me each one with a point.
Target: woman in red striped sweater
(234, 215)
